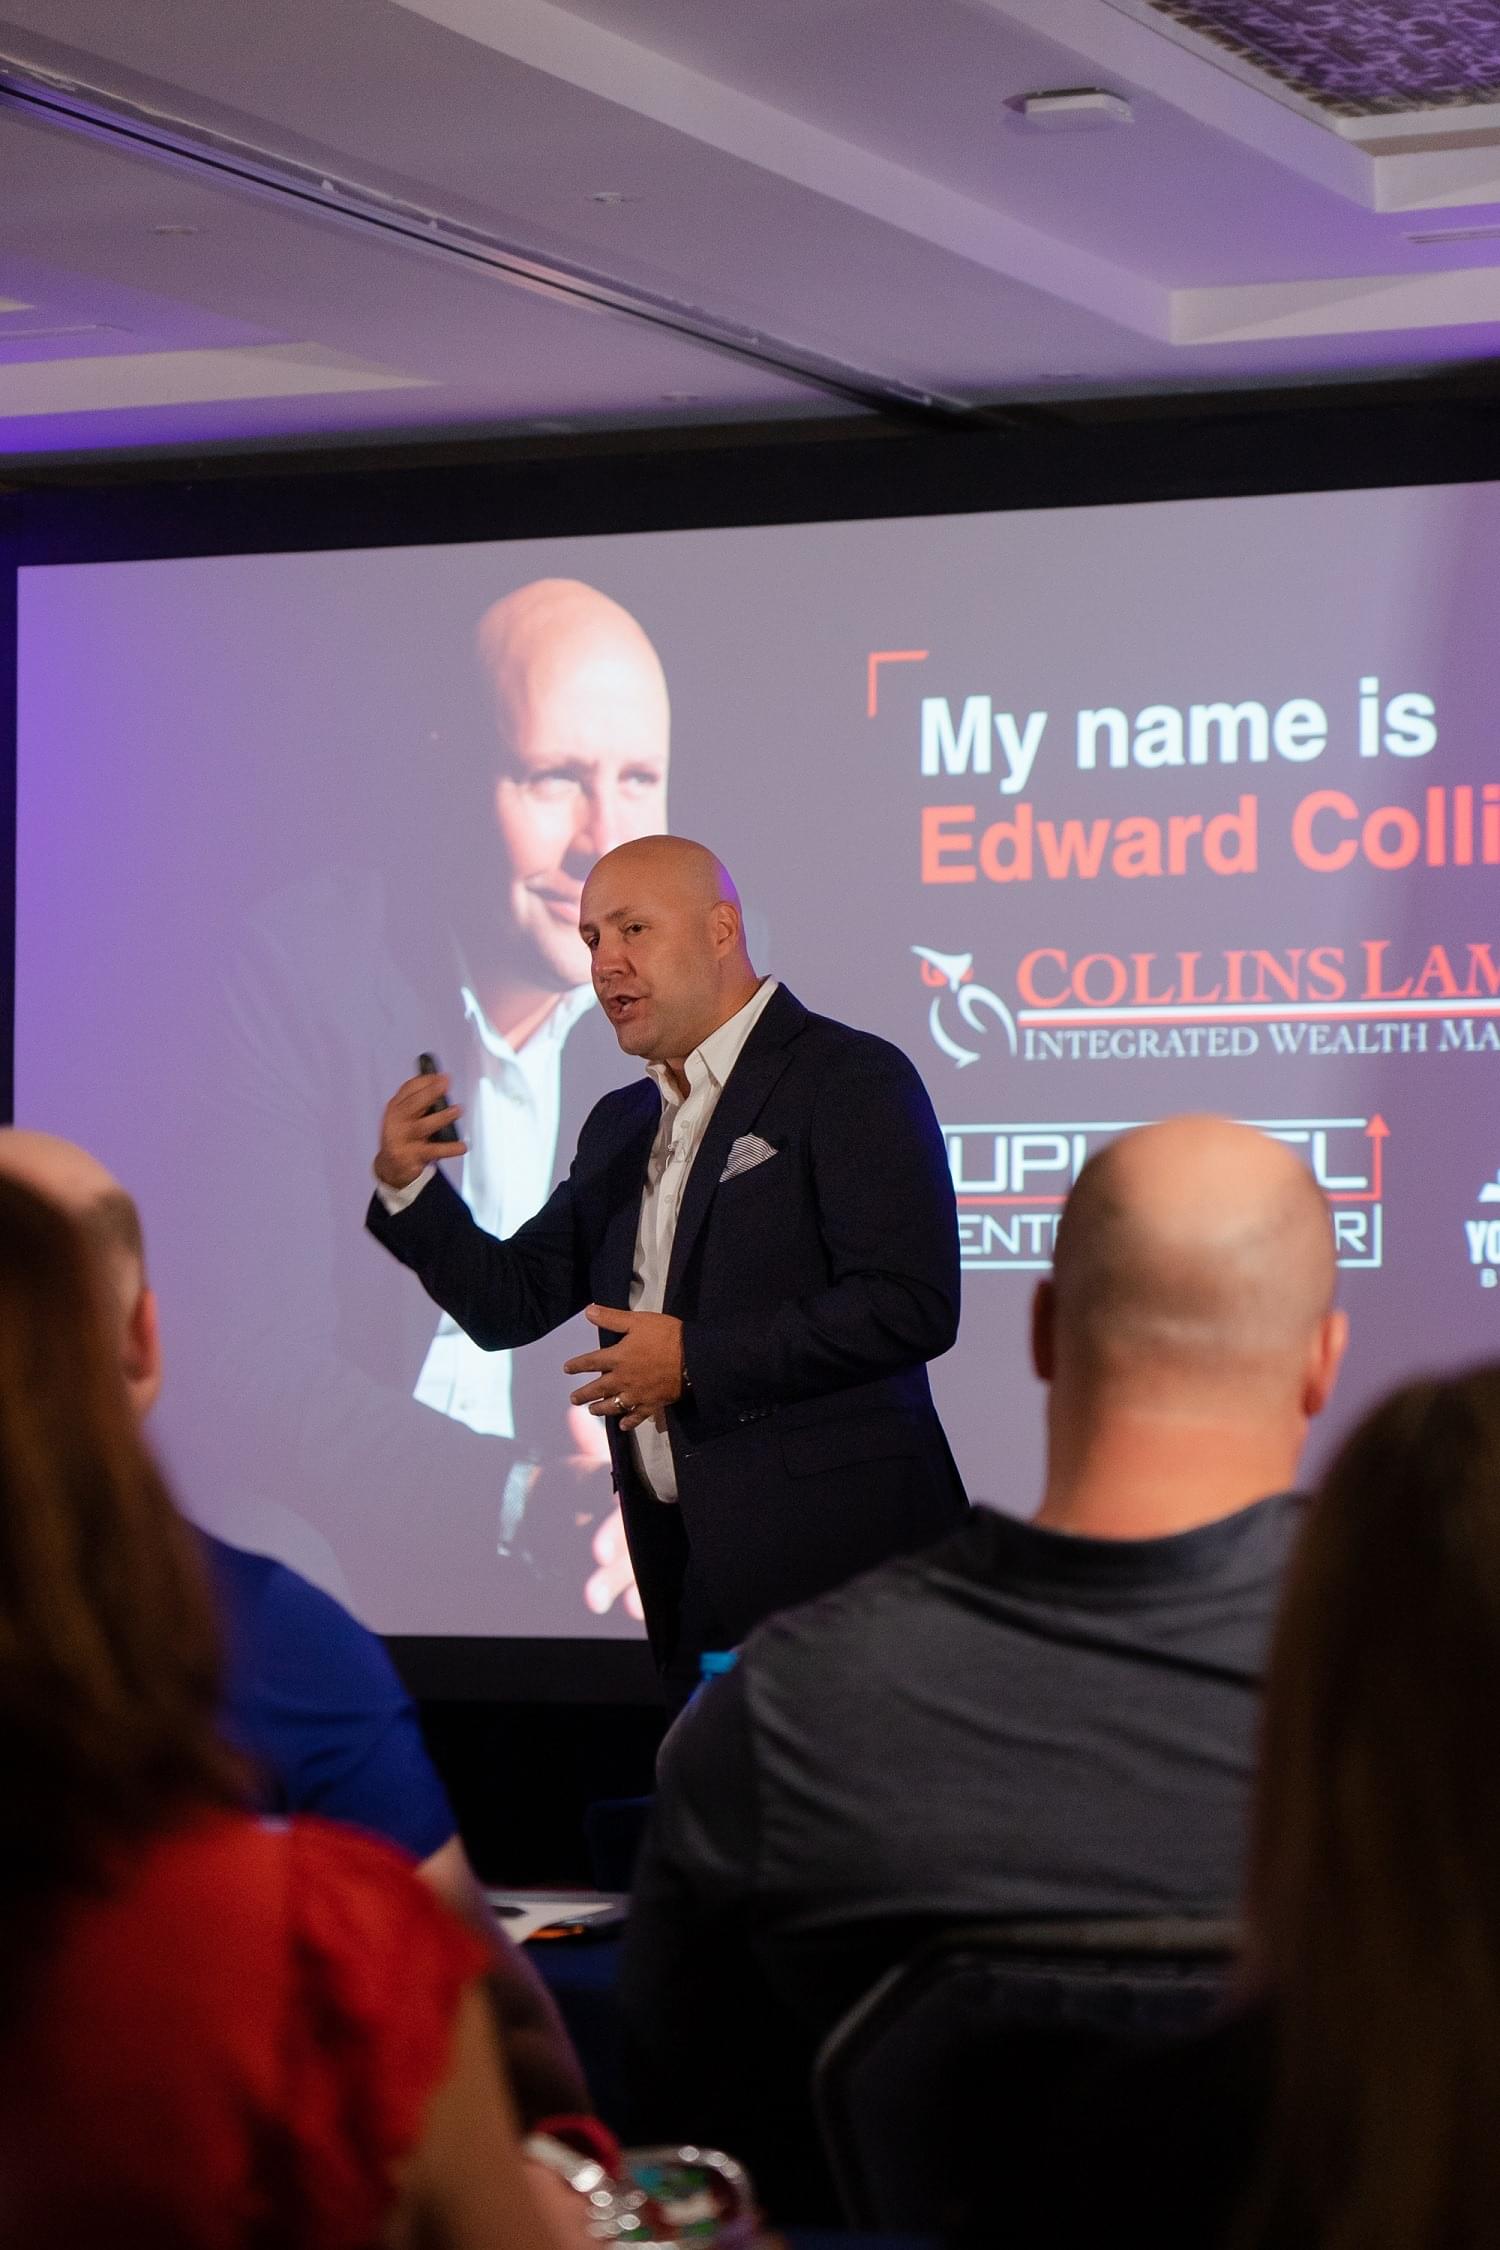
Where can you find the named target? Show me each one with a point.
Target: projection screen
(1100, 814)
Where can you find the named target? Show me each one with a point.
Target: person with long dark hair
(1351, 2101)
(1375, 1883)
(308, 1693)
(215, 2032)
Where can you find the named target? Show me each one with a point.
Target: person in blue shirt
(314, 1702)
(310, 1696)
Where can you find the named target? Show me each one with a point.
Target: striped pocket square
(748, 1151)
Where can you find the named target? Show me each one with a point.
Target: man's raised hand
(407, 1128)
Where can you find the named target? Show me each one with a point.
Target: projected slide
(1099, 813)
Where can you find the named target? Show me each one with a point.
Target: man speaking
(763, 1232)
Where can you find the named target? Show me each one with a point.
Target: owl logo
(979, 1009)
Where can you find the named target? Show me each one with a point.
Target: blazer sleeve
(889, 1224)
(502, 1294)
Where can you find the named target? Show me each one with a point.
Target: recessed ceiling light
(611, 196)
(174, 230)
(1073, 108)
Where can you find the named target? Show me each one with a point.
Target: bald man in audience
(310, 1697)
(1044, 1718)
(762, 1229)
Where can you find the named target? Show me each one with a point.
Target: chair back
(947, 2095)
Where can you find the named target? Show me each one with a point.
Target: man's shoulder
(280, 1626)
(982, 1570)
(785, 1658)
(815, 1686)
(848, 1634)
(1243, 1551)
(621, 1113)
(242, 1580)
(829, 1044)
(312, 1698)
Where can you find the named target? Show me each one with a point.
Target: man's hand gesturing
(406, 1130)
(639, 1375)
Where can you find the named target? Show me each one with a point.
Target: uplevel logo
(1012, 1180)
(1484, 1236)
(979, 1009)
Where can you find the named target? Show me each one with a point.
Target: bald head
(580, 710)
(666, 936)
(548, 637)
(69, 1177)
(1188, 1330)
(93, 1198)
(1195, 1251)
(673, 867)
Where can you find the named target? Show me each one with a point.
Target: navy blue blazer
(812, 1288)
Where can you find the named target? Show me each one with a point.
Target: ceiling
(231, 223)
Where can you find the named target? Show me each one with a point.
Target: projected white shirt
(511, 1129)
(679, 1136)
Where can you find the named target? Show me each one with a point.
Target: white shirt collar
(716, 1056)
(552, 1030)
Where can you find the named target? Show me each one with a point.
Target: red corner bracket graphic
(881, 656)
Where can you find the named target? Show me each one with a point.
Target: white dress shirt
(511, 1128)
(679, 1136)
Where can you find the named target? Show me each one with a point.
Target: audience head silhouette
(93, 1198)
(1188, 1329)
(1375, 1892)
(666, 933)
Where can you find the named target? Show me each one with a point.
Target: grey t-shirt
(1018, 1722)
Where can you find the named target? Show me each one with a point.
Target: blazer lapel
(762, 1060)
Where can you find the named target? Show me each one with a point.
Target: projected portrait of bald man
(581, 718)
(436, 1487)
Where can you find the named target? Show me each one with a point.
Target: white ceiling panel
(151, 379)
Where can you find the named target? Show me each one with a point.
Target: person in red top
(216, 2032)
